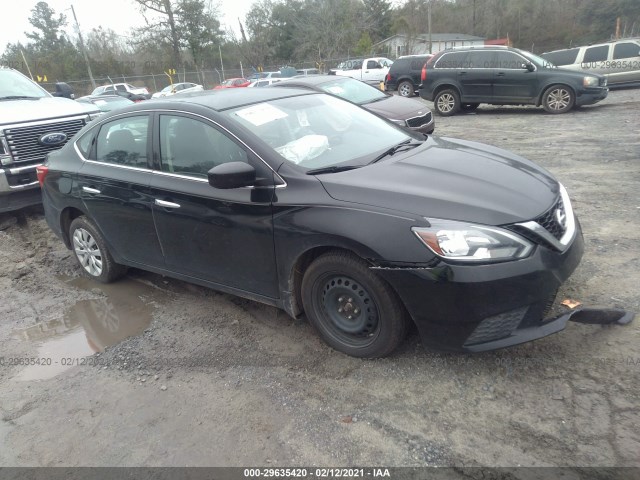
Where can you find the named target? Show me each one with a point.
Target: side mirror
(529, 66)
(232, 175)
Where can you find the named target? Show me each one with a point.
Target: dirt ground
(198, 378)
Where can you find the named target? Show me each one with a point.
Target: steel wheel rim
(446, 102)
(87, 252)
(341, 297)
(404, 90)
(558, 99)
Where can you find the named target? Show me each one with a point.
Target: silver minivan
(618, 60)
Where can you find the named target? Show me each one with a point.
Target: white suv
(617, 60)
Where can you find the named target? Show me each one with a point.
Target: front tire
(353, 310)
(558, 99)
(91, 252)
(405, 89)
(447, 103)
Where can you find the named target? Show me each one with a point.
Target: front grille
(550, 220)
(23, 141)
(416, 122)
(497, 327)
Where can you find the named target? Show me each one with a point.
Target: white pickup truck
(369, 70)
(32, 124)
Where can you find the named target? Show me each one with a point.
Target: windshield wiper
(17, 97)
(395, 149)
(332, 169)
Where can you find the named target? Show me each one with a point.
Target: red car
(233, 83)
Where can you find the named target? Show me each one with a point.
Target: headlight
(472, 243)
(590, 81)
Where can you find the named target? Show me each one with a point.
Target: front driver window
(191, 147)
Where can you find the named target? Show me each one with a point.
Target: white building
(401, 44)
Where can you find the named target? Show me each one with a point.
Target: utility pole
(84, 51)
(429, 26)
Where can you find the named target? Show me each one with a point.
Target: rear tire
(91, 252)
(447, 103)
(405, 89)
(353, 310)
(558, 99)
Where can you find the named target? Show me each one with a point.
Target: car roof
(104, 97)
(312, 80)
(230, 98)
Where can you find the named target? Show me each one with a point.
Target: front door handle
(165, 204)
(501, 74)
(94, 191)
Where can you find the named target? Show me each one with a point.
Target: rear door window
(596, 54)
(124, 142)
(453, 60)
(481, 59)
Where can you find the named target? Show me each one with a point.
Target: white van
(618, 60)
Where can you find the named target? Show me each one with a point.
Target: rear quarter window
(626, 50)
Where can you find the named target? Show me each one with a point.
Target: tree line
(179, 34)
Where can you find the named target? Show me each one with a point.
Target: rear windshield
(562, 57)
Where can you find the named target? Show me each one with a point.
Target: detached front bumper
(484, 307)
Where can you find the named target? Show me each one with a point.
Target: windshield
(315, 131)
(538, 61)
(167, 88)
(353, 90)
(14, 84)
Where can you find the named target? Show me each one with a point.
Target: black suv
(405, 75)
(462, 78)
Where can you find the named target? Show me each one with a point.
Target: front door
(513, 82)
(221, 236)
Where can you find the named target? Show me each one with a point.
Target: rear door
(114, 187)
(221, 236)
(475, 75)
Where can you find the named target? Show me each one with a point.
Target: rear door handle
(165, 204)
(94, 191)
(501, 74)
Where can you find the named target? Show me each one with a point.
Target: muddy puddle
(124, 309)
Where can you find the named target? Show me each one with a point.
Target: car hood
(451, 179)
(397, 108)
(19, 111)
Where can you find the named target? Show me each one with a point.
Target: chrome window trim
(570, 230)
(99, 121)
(204, 180)
(115, 165)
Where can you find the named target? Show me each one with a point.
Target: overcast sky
(119, 15)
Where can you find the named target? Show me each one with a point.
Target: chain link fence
(208, 78)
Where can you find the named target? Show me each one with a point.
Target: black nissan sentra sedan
(310, 203)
